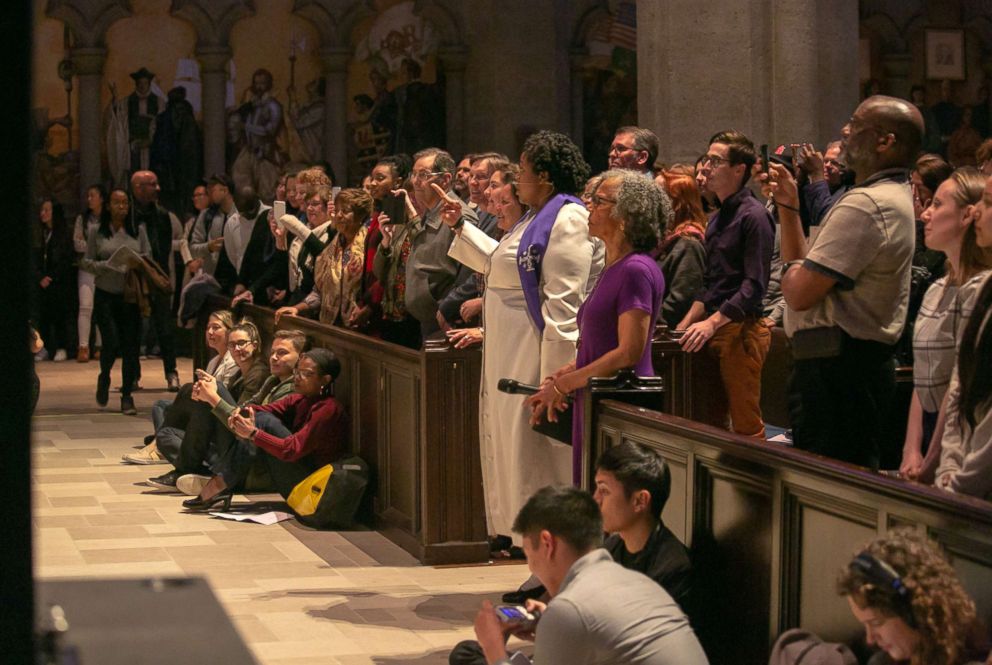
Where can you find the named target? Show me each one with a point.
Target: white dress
(516, 460)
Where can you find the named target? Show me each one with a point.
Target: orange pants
(740, 349)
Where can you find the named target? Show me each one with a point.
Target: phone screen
(511, 614)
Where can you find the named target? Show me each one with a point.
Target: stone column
(213, 75)
(335, 60)
(453, 61)
(89, 70)
(577, 60)
(778, 70)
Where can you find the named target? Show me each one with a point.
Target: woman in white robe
(516, 460)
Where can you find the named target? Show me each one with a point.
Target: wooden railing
(414, 419)
(770, 527)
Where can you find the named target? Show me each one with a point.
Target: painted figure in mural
(308, 119)
(54, 175)
(383, 114)
(420, 112)
(131, 127)
(176, 153)
(259, 162)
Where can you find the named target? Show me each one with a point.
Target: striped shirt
(939, 325)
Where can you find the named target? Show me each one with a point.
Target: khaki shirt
(866, 244)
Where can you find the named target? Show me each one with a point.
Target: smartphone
(395, 207)
(517, 615)
(278, 209)
(764, 157)
(245, 412)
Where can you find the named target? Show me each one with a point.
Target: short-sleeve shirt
(866, 244)
(634, 282)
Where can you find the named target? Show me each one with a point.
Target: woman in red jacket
(293, 436)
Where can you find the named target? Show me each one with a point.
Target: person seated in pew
(174, 414)
(632, 488)
(599, 612)
(966, 455)
(188, 452)
(287, 345)
(912, 604)
(293, 437)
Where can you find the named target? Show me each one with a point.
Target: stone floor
(295, 596)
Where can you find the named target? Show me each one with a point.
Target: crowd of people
(561, 276)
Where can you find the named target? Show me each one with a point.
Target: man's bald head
(901, 119)
(144, 186)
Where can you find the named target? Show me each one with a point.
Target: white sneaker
(60, 356)
(147, 455)
(192, 484)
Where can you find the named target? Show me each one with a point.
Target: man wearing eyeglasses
(430, 272)
(829, 179)
(726, 316)
(848, 291)
(634, 148)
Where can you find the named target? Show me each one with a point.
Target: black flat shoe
(102, 390)
(521, 596)
(199, 504)
(167, 481)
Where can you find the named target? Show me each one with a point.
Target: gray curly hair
(643, 206)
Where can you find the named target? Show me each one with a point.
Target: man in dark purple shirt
(726, 317)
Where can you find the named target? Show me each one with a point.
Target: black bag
(341, 497)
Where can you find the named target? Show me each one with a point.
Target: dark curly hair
(556, 154)
(943, 612)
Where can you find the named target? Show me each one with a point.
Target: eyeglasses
(315, 204)
(424, 175)
(620, 147)
(239, 344)
(303, 373)
(714, 161)
(598, 200)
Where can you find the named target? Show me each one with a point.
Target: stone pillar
(453, 61)
(778, 70)
(89, 70)
(213, 75)
(577, 60)
(897, 67)
(335, 61)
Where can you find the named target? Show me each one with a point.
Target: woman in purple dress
(616, 322)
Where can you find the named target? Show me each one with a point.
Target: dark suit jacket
(254, 266)
(664, 559)
(465, 287)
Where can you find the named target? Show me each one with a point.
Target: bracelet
(787, 206)
(459, 224)
(554, 384)
(254, 432)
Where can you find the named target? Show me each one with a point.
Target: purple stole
(530, 254)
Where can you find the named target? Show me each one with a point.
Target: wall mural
(396, 92)
(609, 81)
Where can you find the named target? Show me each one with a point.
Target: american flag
(623, 30)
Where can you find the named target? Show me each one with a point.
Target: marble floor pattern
(363, 600)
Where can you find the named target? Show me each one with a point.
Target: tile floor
(352, 598)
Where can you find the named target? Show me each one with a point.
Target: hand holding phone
(278, 209)
(518, 617)
(200, 374)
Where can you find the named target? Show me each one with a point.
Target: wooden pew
(414, 419)
(770, 527)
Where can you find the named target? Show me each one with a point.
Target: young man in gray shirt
(599, 613)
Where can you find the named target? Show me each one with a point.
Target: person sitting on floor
(632, 487)
(188, 452)
(599, 612)
(912, 604)
(174, 414)
(294, 436)
(287, 345)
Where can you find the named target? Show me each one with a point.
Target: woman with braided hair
(911, 603)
